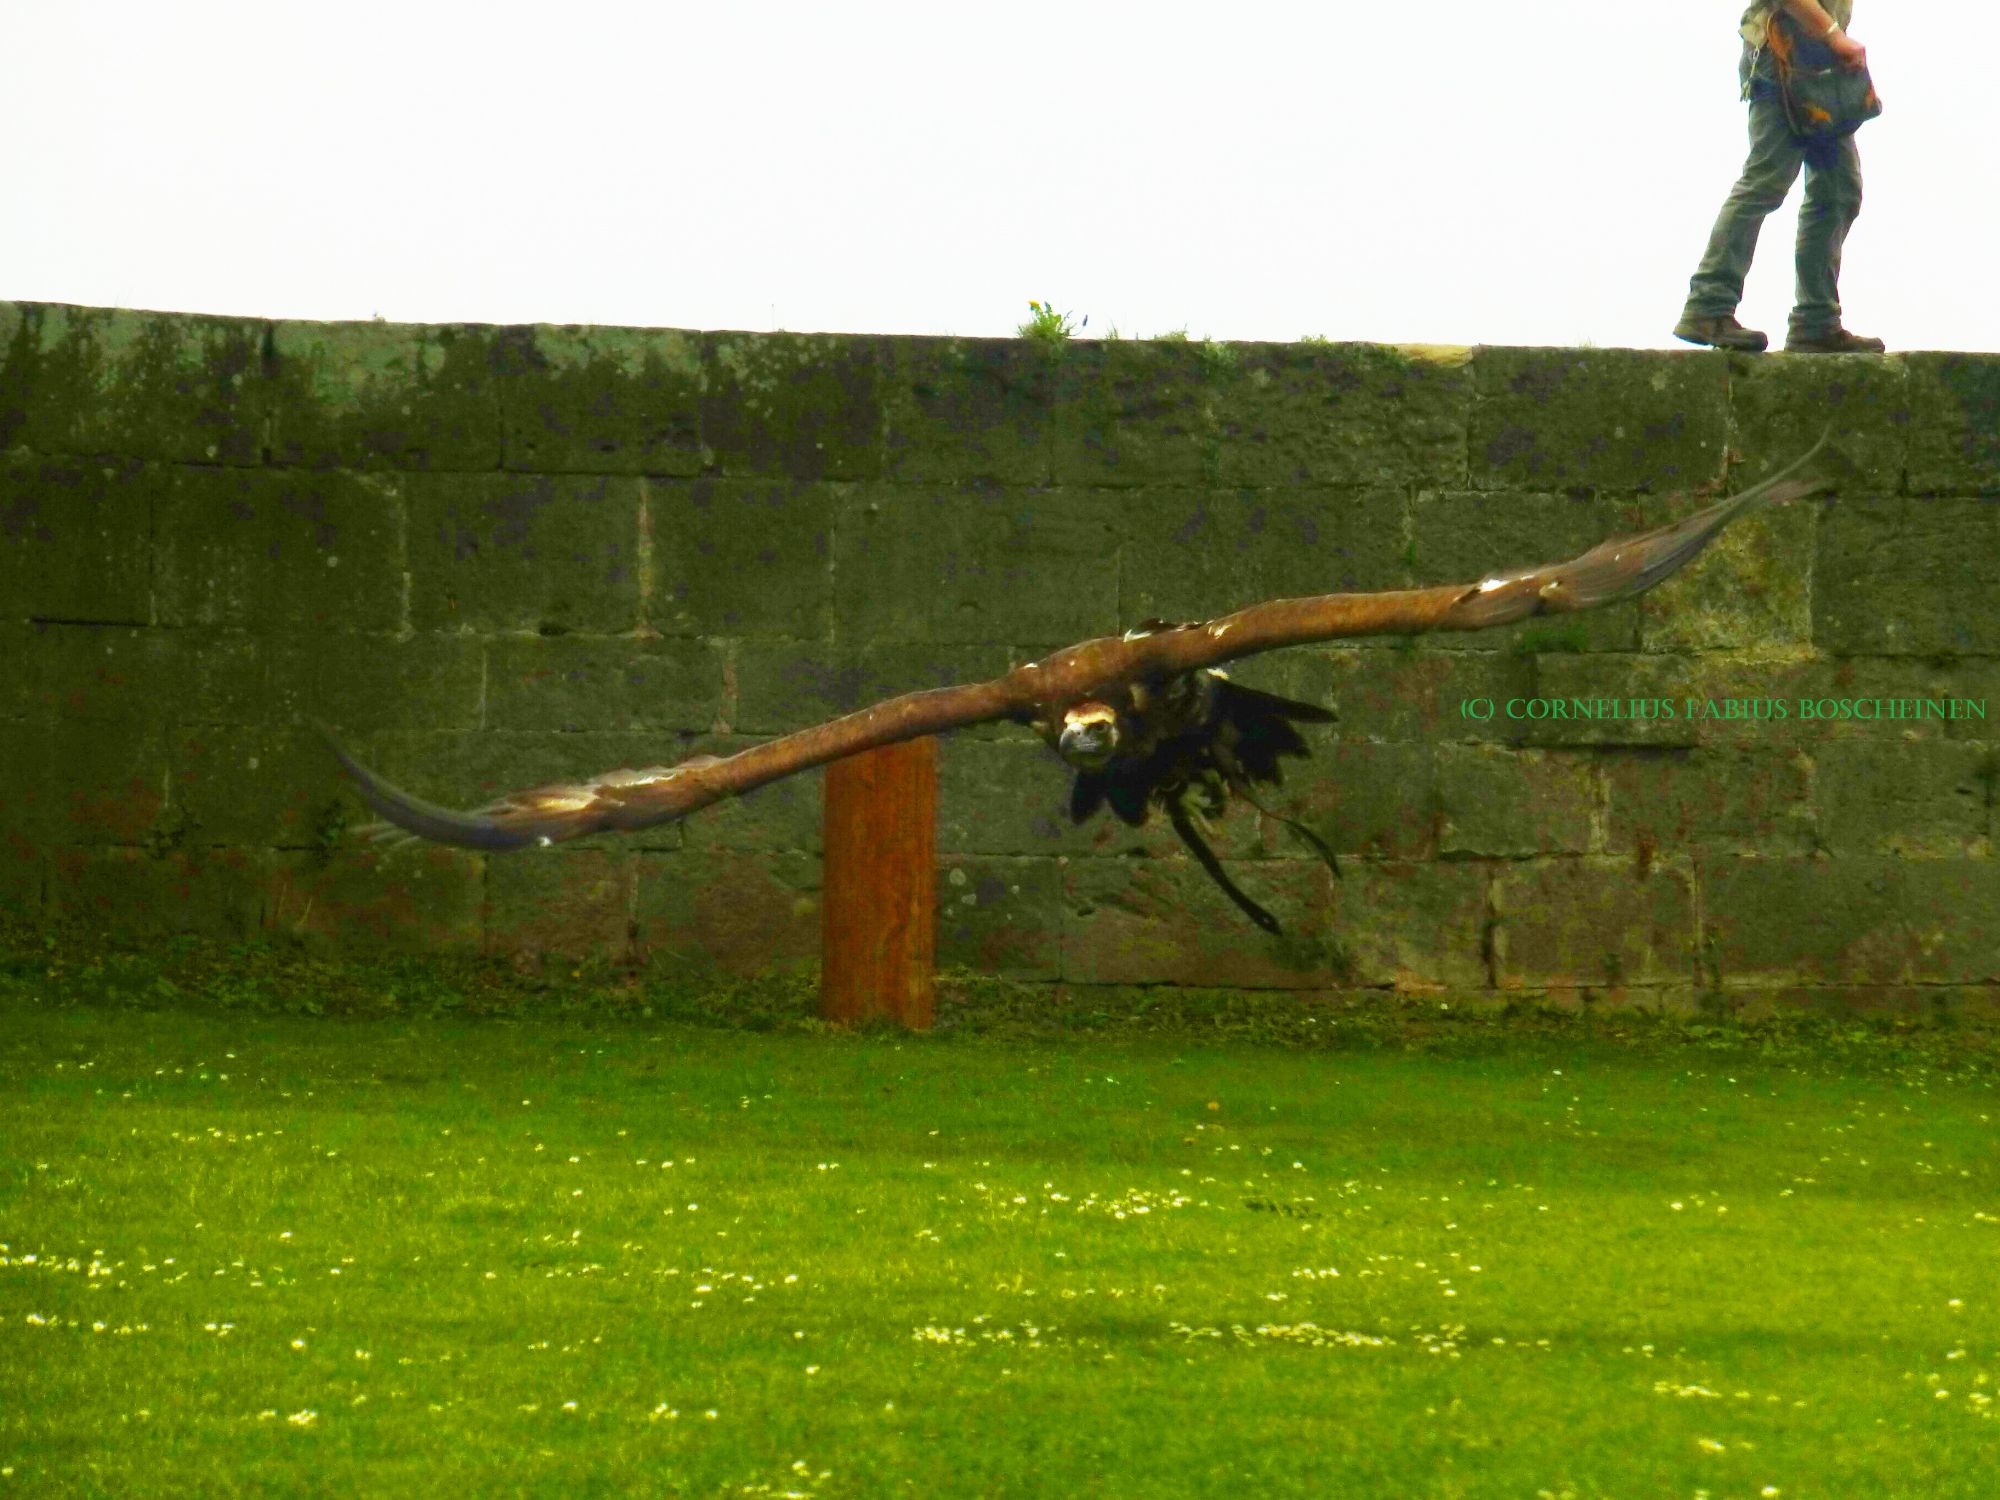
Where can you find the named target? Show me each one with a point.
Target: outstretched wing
(1037, 692)
(625, 800)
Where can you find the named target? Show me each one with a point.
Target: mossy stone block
(1618, 419)
(256, 785)
(19, 338)
(289, 549)
(170, 386)
(1908, 578)
(1417, 694)
(1877, 920)
(1163, 921)
(1132, 411)
(523, 552)
(76, 538)
(703, 911)
(1192, 554)
(1412, 926)
(575, 682)
(742, 557)
(133, 894)
(1751, 796)
(570, 902)
(793, 405)
(372, 898)
(1955, 428)
(1609, 699)
(578, 399)
(362, 683)
(1517, 803)
(1361, 797)
(127, 679)
(1782, 407)
(1342, 414)
(966, 410)
(1000, 916)
(926, 565)
(1590, 922)
(385, 396)
(782, 686)
(1886, 796)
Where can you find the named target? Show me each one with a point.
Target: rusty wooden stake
(878, 935)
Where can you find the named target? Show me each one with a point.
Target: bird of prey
(1145, 720)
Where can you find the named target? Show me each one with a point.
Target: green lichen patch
(600, 400)
(384, 395)
(804, 405)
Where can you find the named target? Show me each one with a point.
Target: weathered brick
(384, 396)
(85, 785)
(960, 410)
(572, 901)
(1131, 411)
(742, 557)
(1885, 797)
(1193, 554)
(280, 548)
(1359, 414)
(523, 552)
(915, 564)
(1516, 802)
(1954, 402)
(795, 405)
(1593, 922)
(579, 399)
(1610, 418)
(1754, 796)
(1163, 921)
(76, 538)
(572, 682)
(1894, 578)
(155, 385)
(1001, 916)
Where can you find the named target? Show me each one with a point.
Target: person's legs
(1833, 198)
(1768, 174)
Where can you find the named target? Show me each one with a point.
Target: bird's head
(1089, 737)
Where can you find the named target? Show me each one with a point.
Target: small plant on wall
(1048, 326)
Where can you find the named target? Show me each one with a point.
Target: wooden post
(878, 934)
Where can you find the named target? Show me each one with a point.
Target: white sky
(1542, 172)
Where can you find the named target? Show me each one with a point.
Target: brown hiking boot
(1835, 341)
(1720, 333)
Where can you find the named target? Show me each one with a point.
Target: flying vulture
(1145, 720)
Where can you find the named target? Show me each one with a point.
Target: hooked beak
(1089, 737)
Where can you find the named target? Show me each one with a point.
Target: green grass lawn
(261, 1255)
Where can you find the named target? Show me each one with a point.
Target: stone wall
(497, 556)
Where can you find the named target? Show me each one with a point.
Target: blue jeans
(1833, 198)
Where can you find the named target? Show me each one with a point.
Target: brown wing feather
(1614, 570)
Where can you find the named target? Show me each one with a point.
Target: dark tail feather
(1205, 857)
